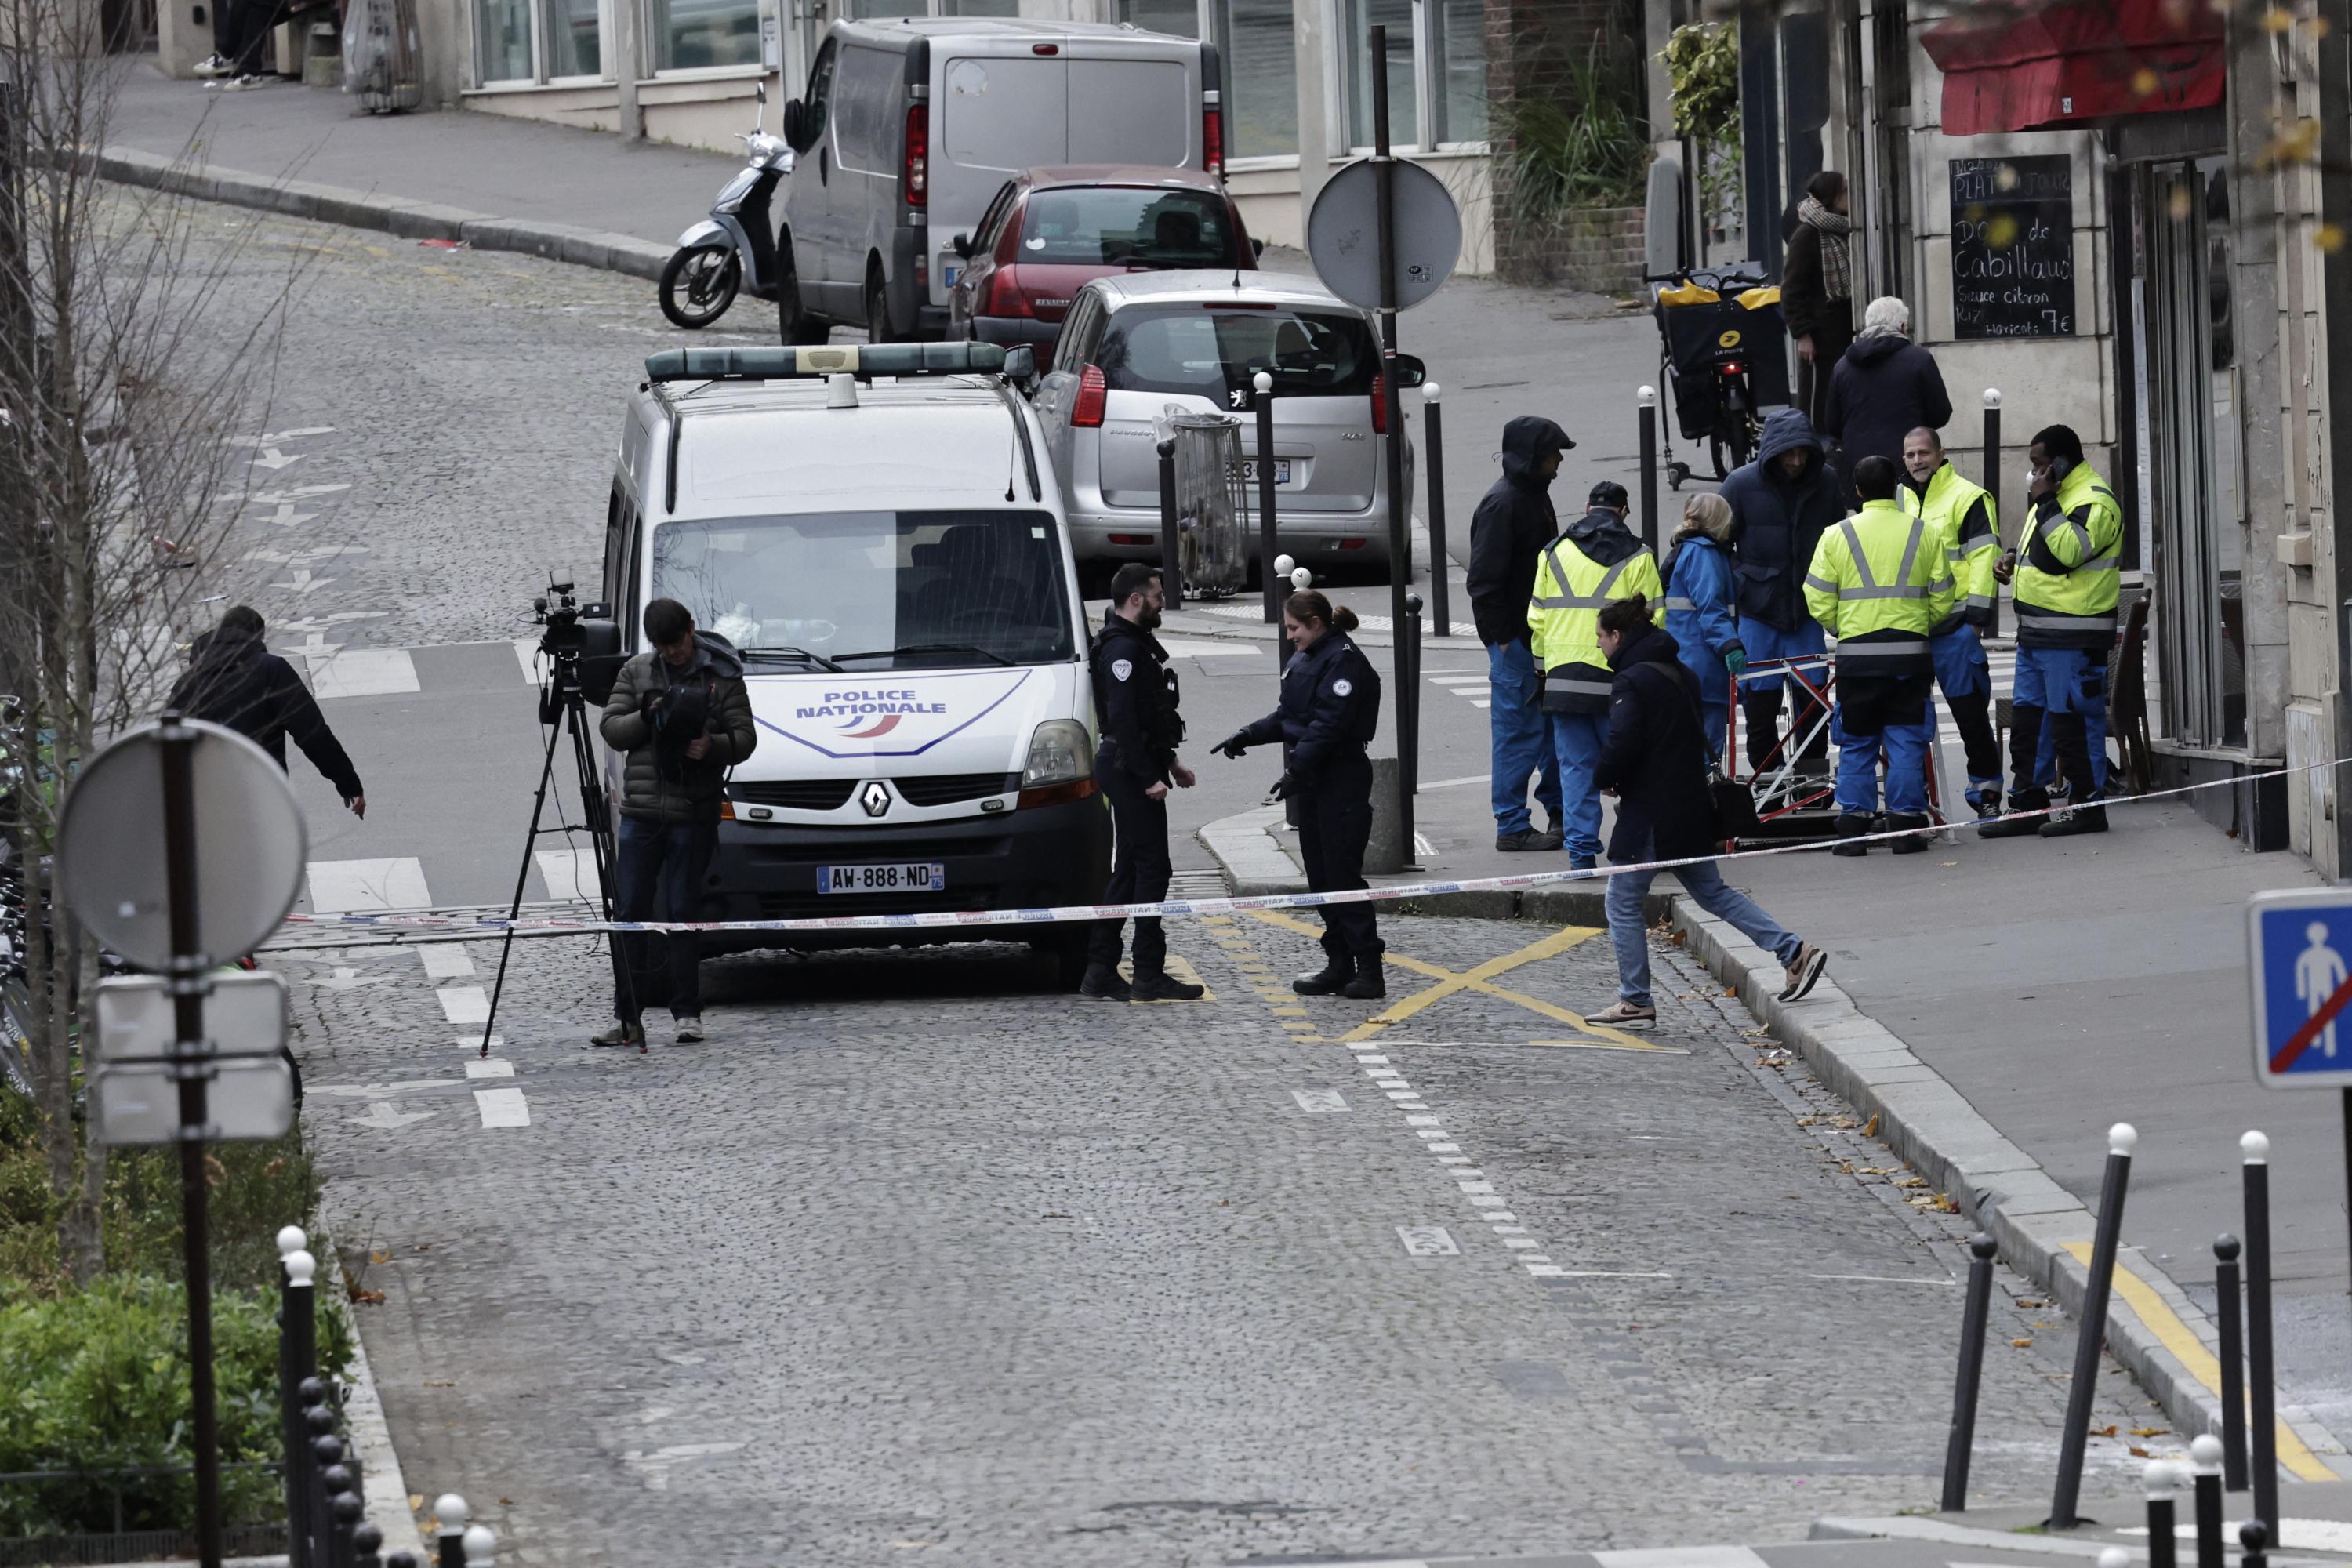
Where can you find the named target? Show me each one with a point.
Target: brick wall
(1528, 45)
(1598, 251)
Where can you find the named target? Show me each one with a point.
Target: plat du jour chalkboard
(2013, 247)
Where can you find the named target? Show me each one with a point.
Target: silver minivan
(1139, 347)
(910, 126)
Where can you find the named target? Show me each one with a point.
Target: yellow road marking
(2182, 1341)
(1479, 979)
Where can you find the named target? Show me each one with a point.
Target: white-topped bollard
(1646, 401)
(1262, 406)
(450, 1514)
(291, 1239)
(2256, 1148)
(1647, 396)
(2262, 1425)
(1992, 398)
(2121, 1138)
(481, 1545)
(1430, 391)
(2205, 1453)
(2092, 1331)
(2115, 1557)
(301, 1268)
(1301, 577)
(2162, 1481)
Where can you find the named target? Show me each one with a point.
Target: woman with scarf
(1817, 289)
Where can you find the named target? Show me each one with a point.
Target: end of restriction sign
(2299, 969)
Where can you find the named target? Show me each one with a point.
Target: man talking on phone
(2066, 569)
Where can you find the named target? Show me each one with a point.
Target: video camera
(581, 642)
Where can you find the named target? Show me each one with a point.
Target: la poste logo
(864, 714)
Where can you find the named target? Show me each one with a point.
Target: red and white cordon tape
(428, 926)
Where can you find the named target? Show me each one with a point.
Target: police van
(874, 529)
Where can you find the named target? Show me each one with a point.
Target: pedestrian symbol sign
(2300, 966)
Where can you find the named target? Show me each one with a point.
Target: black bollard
(1409, 741)
(297, 1355)
(1991, 480)
(1171, 558)
(2262, 1472)
(450, 1514)
(2092, 1332)
(402, 1560)
(2206, 1450)
(367, 1543)
(1648, 399)
(318, 1427)
(1262, 386)
(2255, 1536)
(2231, 1314)
(1961, 1442)
(342, 1512)
(1439, 562)
(2163, 1545)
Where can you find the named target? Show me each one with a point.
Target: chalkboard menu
(2013, 247)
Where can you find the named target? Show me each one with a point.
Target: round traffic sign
(1343, 233)
(250, 845)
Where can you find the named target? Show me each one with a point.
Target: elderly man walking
(1884, 388)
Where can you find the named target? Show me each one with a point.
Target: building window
(1457, 73)
(502, 40)
(1437, 71)
(1259, 52)
(571, 29)
(696, 35)
(1359, 17)
(537, 40)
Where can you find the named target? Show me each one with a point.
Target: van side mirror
(601, 658)
(1410, 372)
(962, 245)
(796, 124)
(1021, 363)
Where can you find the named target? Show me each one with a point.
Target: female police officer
(1330, 706)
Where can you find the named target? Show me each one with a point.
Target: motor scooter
(734, 249)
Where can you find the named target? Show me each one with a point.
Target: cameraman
(680, 712)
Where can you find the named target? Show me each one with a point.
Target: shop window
(502, 40)
(1259, 52)
(1437, 71)
(697, 35)
(571, 29)
(522, 41)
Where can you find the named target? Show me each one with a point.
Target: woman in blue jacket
(1698, 610)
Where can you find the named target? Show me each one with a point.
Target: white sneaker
(245, 83)
(213, 65)
(689, 1031)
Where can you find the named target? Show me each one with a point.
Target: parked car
(911, 125)
(1052, 229)
(1145, 344)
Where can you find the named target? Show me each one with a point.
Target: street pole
(2261, 1380)
(1263, 386)
(2092, 1331)
(1400, 537)
(1961, 1442)
(1171, 561)
(190, 984)
(1648, 398)
(1435, 438)
(1991, 480)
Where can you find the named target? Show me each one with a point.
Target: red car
(1051, 230)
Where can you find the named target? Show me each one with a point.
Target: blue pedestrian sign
(2299, 964)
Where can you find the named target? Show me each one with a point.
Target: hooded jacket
(644, 718)
(1885, 387)
(235, 680)
(1513, 522)
(1564, 615)
(1655, 757)
(1778, 521)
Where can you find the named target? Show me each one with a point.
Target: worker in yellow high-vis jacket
(1966, 528)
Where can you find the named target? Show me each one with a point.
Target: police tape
(426, 926)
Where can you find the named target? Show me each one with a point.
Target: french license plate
(1281, 472)
(901, 877)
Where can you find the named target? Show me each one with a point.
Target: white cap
(2206, 1451)
(301, 1268)
(1992, 398)
(481, 1543)
(1429, 391)
(1283, 564)
(291, 1239)
(1263, 383)
(1647, 397)
(1302, 578)
(2121, 1137)
(2256, 1147)
(2112, 1557)
(2163, 1481)
(451, 1511)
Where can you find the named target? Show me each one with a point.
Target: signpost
(186, 1057)
(2299, 961)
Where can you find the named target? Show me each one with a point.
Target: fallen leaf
(1870, 1128)
(380, 1255)
(2138, 1452)
(506, 1502)
(1944, 1205)
(1948, 862)
(2031, 1302)
(415, 1502)
(1807, 1120)
(2151, 1431)
(367, 1298)
(429, 1383)
(1912, 1182)
(1731, 990)
(2021, 1344)
(2103, 1431)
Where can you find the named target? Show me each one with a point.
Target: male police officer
(1877, 585)
(2066, 571)
(1963, 525)
(1135, 698)
(1597, 560)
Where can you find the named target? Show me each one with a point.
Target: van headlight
(1059, 753)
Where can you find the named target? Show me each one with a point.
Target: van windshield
(1212, 352)
(874, 590)
(1125, 225)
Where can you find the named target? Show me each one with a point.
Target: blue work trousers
(1576, 740)
(1520, 741)
(2068, 688)
(1905, 747)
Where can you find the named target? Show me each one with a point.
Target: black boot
(2090, 817)
(1335, 972)
(1369, 983)
(1102, 983)
(1850, 827)
(1916, 842)
(2020, 800)
(1163, 988)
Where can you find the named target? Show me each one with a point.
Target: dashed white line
(464, 1003)
(502, 1108)
(570, 873)
(489, 1066)
(345, 887)
(444, 960)
(363, 672)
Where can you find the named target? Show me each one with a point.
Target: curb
(381, 1486)
(352, 208)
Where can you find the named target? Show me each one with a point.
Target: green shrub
(1588, 149)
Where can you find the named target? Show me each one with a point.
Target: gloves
(1232, 745)
(1735, 659)
(1283, 788)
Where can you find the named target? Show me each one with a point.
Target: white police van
(874, 531)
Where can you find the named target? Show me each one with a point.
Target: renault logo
(875, 797)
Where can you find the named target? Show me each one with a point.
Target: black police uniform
(1135, 698)
(1330, 708)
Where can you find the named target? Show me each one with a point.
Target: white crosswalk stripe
(570, 873)
(347, 886)
(363, 672)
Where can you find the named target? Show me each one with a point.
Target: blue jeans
(1630, 936)
(669, 860)
(1905, 749)
(1521, 745)
(1576, 741)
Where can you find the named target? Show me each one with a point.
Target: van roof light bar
(860, 360)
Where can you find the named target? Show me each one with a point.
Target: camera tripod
(563, 711)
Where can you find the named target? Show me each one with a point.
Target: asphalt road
(917, 1256)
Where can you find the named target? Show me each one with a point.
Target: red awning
(2017, 65)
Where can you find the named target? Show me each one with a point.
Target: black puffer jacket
(1776, 520)
(656, 710)
(1655, 757)
(1329, 709)
(1513, 523)
(235, 680)
(1884, 388)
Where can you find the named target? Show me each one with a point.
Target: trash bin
(1212, 503)
(381, 55)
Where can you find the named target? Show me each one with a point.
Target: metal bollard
(2163, 1544)
(1991, 480)
(2206, 1452)
(1171, 558)
(402, 1560)
(1959, 1446)
(1648, 399)
(2261, 1376)
(367, 1544)
(334, 1531)
(317, 1427)
(1286, 574)
(1409, 742)
(481, 1545)
(1263, 386)
(2253, 1535)
(2115, 1557)
(298, 1335)
(2092, 1331)
(2232, 1321)
(1433, 436)
(451, 1513)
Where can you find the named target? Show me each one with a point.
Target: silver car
(1137, 347)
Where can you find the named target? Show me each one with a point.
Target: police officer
(1878, 587)
(1597, 560)
(1331, 707)
(1963, 523)
(1135, 698)
(2065, 573)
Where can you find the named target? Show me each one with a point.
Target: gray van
(910, 126)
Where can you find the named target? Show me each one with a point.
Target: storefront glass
(570, 28)
(502, 40)
(694, 35)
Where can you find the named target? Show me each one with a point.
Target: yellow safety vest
(2068, 566)
(1564, 618)
(1966, 522)
(1877, 585)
